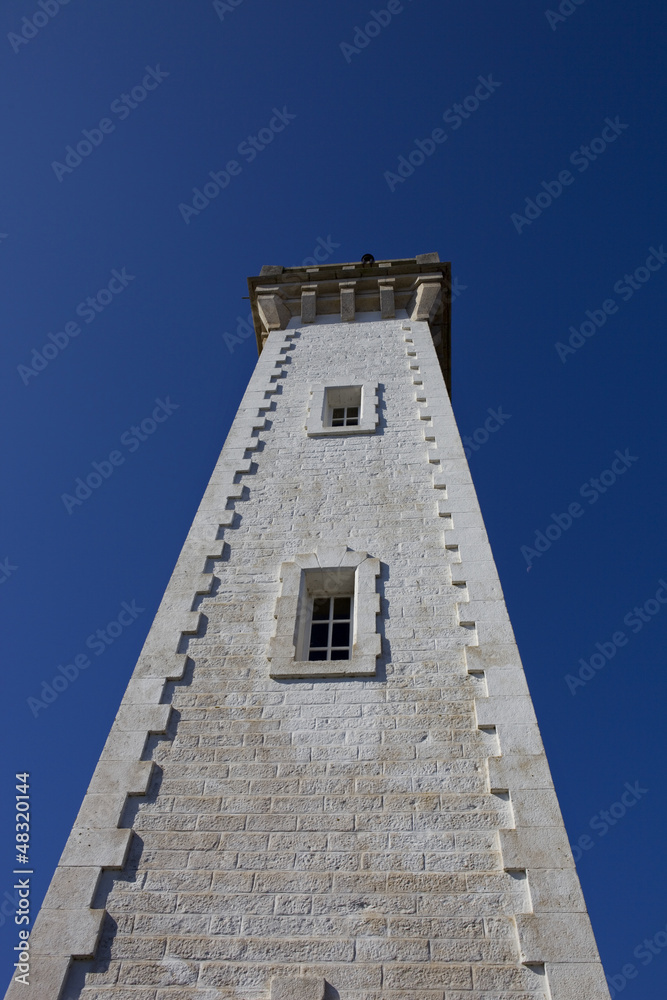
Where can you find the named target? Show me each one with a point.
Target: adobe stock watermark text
(495, 420)
(122, 107)
(31, 26)
(132, 439)
(454, 116)
(625, 288)
(244, 327)
(644, 953)
(566, 8)
(88, 310)
(97, 642)
(606, 650)
(249, 148)
(222, 7)
(606, 819)
(6, 569)
(591, 490)
(580, 158)
(379, 20)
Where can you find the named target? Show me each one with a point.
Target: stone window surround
(299, 578)
(316, 425)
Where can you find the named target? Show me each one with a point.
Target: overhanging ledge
(420, 285)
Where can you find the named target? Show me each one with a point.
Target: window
(326, 616)
(325, 625)
(343, 406)
(330, 626)
(342, 409)
(345, 416)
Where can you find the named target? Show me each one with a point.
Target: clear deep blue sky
(218, 77)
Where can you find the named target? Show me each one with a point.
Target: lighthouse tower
(326, 779)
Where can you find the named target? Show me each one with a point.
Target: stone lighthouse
(326, 779)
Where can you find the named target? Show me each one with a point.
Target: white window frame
(330, 570)
(318, 423)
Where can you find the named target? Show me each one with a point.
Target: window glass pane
(342, 607)
(340, 634)
(330, 628)
(352, 422)
(353, 411)
(319, 635)
(338, 413)
(320, 608)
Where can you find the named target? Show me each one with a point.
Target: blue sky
(545, 188)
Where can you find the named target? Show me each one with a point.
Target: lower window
(326, 615)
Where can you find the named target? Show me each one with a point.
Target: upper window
(343, 405)
(345, 416)
(342, 409)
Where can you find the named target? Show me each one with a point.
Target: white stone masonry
(390, 836)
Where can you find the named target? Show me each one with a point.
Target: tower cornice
(418, 287)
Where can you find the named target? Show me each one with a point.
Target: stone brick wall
(397, 836)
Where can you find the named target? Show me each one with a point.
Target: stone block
(555, 937)
(275, 315)
(308, 303)
(426, 298)
(506, 682)
(106, 848)
(387, 301)
(144, 690)
(67, 933)
(164, 664)
(519, 739)
(297, 988)
(347, 301)
(99, 812)
(556, 891)
(577, 981)
(143, 718)
(47, 977)
(535, 807)
(518, 771)
(535, 847)
(124, 746)
(120, 776)
(72, 888)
